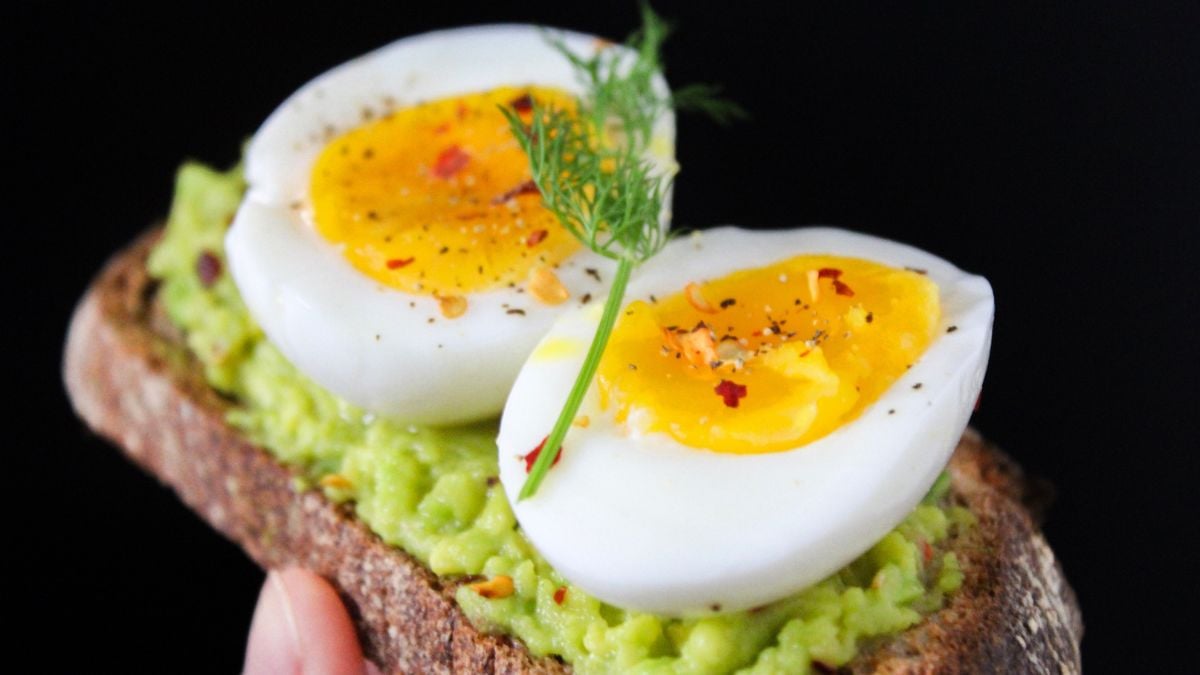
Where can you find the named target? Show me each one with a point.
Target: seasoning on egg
(536, 238)
(443, 175)
(697, 300)
(525, 188)
(698, 346)
(545, 286)
(522, 103)
(809, 357)
(532, 456)
(835, 275)
(730, 392)
(452, 306)
(450, 161)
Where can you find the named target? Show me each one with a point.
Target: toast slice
(131, 379)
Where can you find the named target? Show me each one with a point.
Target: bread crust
(131, 380)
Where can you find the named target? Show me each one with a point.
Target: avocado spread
(433, 493)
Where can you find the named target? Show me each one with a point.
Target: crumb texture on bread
(131, 381)
(1015, 612)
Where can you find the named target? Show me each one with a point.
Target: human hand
(300, 626)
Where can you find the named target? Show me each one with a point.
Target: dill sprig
(591, 166)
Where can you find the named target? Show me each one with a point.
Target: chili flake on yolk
(437, 199)
(768, 359)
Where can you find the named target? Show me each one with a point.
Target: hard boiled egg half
(770, 405)
(391, 243)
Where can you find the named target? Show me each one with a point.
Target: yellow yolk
(437, 198)
(753, 362)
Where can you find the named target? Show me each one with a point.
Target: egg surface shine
(770, 405)
(391, 243)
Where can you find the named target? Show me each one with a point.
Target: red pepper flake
(527, 188)
(536, 237)
(397, 263)
(560, 594)
(208, 268)
(450, 161)
(839, 287)
(522, 103)
(731, 392)
(441, 128)
(533, 455)
(926, 551)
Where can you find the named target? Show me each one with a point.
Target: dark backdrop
(1053, 149)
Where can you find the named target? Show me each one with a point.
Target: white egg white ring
(385, 350)
(645, 523)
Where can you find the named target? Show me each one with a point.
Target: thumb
(301, 626)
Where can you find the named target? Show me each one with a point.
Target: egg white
(385, 350)
(643, 522)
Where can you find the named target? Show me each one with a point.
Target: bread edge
(131, 381)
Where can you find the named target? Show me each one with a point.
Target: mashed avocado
(433, 493)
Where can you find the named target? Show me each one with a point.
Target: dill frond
(593, 170)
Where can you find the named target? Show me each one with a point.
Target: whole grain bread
(131, 379)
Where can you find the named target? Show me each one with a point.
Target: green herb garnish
(592, 170)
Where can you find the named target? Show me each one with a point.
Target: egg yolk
(767, 359)
(437, 198)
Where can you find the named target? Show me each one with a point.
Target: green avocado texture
(433, 493)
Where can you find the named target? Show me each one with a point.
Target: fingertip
(300, 625)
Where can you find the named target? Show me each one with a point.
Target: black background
(1053, 149)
